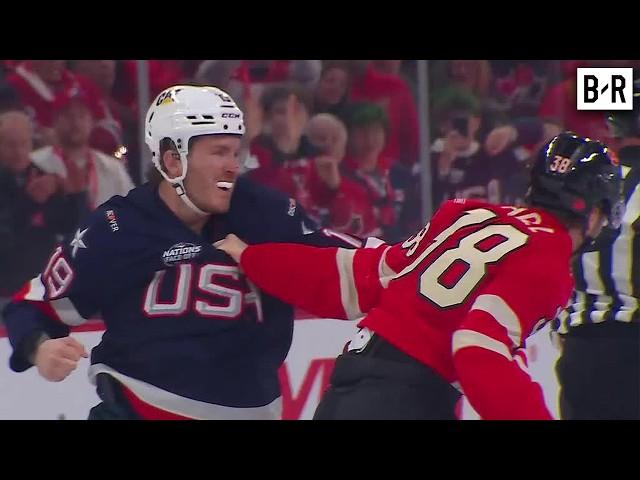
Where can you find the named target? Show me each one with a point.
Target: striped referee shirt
(607, 275)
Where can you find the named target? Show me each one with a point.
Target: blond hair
(326, 120)
(13, 116)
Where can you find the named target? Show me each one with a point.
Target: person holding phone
(460, 168)
(345, 203)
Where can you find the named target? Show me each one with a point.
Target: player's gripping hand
(57, 358)
(232, 246)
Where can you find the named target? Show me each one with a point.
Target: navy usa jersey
(185, 331)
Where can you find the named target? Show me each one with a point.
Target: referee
(599, 367)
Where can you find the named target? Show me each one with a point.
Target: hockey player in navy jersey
(187, 336)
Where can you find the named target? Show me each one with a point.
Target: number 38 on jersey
(450, 277)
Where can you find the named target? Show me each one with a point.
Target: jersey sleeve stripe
(66, 312)
(61, 310)
(471, 338)
(502, 313)
(34, 292)
(348, 290)
(385, 272)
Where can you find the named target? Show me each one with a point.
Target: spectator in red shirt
(282, 156)
(367, 166)
(82, 168)
(39, 83)
(286, 112)
(343, 203)
(394, 94)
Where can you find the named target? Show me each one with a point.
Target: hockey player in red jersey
(449, 310)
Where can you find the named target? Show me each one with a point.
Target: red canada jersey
(508, 266)
(461, 295)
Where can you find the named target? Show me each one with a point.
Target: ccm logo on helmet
(230, 115)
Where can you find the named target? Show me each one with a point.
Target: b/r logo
(605, 89)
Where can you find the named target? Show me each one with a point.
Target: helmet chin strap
(178, 185)
(182, 193)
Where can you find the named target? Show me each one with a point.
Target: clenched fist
(57, 358)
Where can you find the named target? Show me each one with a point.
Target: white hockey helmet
(186, 111)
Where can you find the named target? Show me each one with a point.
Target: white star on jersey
(77, 242)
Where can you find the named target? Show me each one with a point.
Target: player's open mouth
(224, 186)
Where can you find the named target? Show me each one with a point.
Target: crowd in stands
(339, 136)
